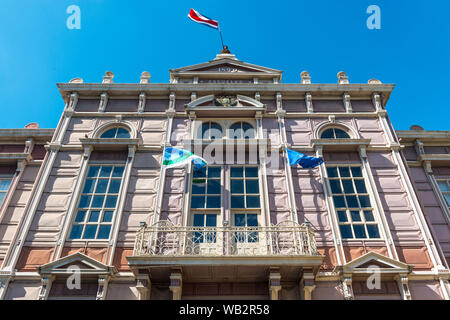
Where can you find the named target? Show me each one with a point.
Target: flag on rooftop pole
(303, 160)
(199, 18)
(174, 157)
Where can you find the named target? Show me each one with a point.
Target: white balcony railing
(166, 239)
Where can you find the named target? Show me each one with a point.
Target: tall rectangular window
(244, 187)
(4, 187)
(98, 202)
(352, 203)
(206, 188)
(444, 187)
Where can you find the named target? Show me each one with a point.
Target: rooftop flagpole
(221, 39)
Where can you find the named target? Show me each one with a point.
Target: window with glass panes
(242, 130)
(211, 130)
(4, 187)
(244, 187)
(352, 203)
(206, 188)
(245, 220)
(98, 200)
(204, 220)
(444, 187)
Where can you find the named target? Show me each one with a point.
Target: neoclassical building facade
(89, 212)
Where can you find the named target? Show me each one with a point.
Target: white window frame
(11, 179)
(241, 123)
(258, 178)
(443, 193)
(206, 194)
(361, 210)
(334, 132)
(103, 209)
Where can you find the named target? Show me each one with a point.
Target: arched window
(118, 132)
(211, 130)
(334, 133)
(242, 130)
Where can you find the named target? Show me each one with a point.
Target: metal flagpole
(220, 33)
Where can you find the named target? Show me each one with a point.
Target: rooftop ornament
(32, 125)
(306, 79)
(416, 127)
(374, 81)
(108, 77)
(76, 80)
(342, 78)
(145, 77)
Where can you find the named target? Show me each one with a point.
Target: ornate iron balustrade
(285, 238)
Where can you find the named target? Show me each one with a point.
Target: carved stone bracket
(142, 101)
(309, 104)
(348, 289)
(103, 281)
(308, 285)
(176, 284)
(44, 290)
(143, 286)
(402, 281)
(103, 102)
(274, 283)
(347, 103)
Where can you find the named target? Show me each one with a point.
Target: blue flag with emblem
(174, 157)
(303, 160)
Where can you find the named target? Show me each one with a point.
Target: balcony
(284, 239)
(225, 254)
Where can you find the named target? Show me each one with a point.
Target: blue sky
(412, 48)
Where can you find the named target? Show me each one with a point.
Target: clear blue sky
(412, 48)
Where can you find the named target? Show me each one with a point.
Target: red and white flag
(197, 17)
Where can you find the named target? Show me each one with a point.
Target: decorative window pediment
(366, 263)
(231, 102)
(86, 265)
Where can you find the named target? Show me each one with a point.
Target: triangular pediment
(76, 261)
(226, 65)
(370, 260)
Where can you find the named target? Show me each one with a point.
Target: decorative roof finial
(225, 50)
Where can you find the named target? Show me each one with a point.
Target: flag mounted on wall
(174, 157)
(197, 17)
(303, 160)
